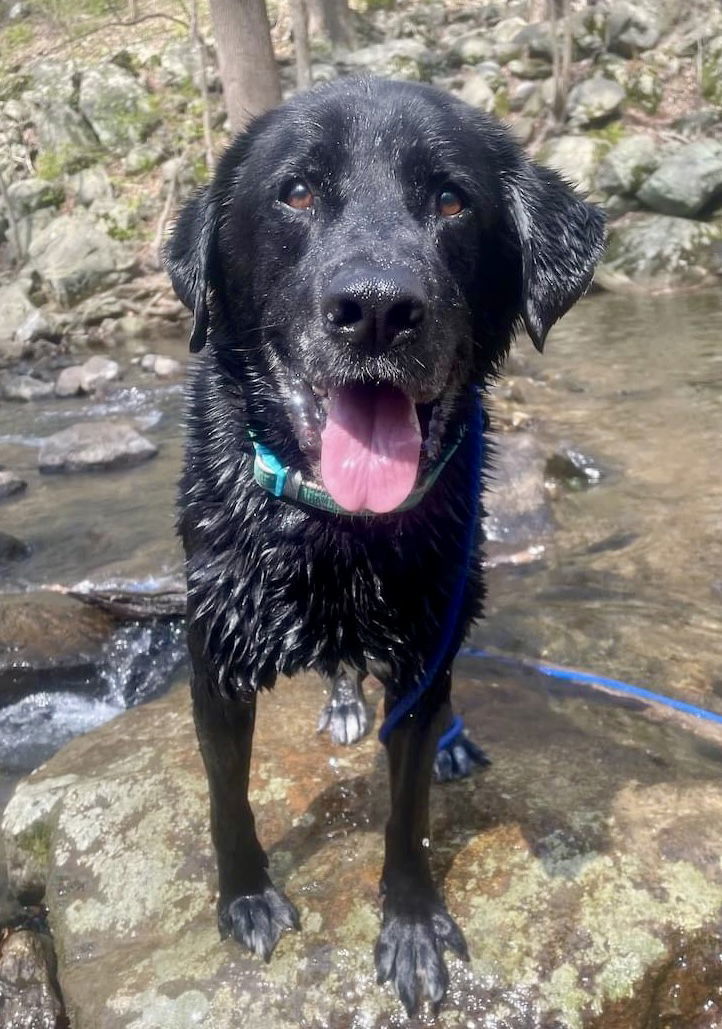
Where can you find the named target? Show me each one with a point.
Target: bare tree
(300, 42)
(245, 57)
(331, 18)
(561, 55)
(199, 48)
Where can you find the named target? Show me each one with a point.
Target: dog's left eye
(449, 203)
(298, 196)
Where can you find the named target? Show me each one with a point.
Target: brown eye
(449, 203)
(298, 196)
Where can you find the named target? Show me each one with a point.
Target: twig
(163, 220)
(199, 48)
(299, 12)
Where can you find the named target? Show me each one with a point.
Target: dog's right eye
(298, 196)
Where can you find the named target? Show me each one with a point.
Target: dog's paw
(410, 953)
(256, 920)
(458, 759)
(347, 721)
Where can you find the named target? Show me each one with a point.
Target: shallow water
(628, 583)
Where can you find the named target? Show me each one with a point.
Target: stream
(623, 578)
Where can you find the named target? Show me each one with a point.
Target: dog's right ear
(189, 256)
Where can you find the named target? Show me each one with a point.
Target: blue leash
(589, 679)
(409, 700)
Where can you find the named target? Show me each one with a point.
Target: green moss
(15, 36)
(613, 132)
(52, 164)
(35, 842)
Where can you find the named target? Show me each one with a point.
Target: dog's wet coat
(361, 258)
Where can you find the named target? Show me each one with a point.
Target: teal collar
(288, 483)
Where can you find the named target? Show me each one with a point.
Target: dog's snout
(374, 309)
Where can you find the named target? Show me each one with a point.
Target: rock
(569, 467)
(644, 88)
(53, 80)
(28, 998)
(574, 900)
(16, 309)
(529, 68)
(12, 548)
(626, 165)
(89, 185)
(517, 504)
(164, 367)
(68, 383)
(537, 40)
(23, 387)
(97, 372)
(521, 94)
(631, 28)
(94, 446)
(116, 106)
(686, 182)
(28, 228)
(37, 326)
(661, 252)
(27, 195)
(473, 47)
(117, 218)
(477, 92)
(63, 132)
(75, 257)
(180, 65)
(397, 59)
(142, 158)
(503, 35)
(574, 157)
(594, 100)
(11, 484)
(49, 642)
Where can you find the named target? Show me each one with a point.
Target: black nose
(373, 308)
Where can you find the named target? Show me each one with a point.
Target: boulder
(97, 372)
(686, 182)
(16, 309)
(89, 184)
(11, 484)
(594, 100)
(68, 383)
(588, 897)
(632, 28)
(94, 446)
(661, 252)
(627, 165)
(537, 40)
(517, 504)
(574, 157)
(23, 387)
(49, 642)
(28, 997)
(75, 257)
(27, 195)
(473, 47)
(37, 325)
(162, 366)
(477, 92)
(62, 130)
(645, 89)
(116, 106)
(143, 157)
(180, 65)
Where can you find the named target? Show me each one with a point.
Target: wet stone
(569, 467)
(94, 447)
(11, 484)
(24, 387)
(580, 864)
(28, 998)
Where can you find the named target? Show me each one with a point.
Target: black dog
(357, 266)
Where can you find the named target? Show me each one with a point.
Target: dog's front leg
(250, 908)
(416, 925)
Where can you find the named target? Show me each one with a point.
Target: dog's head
(363, 252)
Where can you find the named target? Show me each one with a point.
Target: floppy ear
(561, 238)
(189, 256)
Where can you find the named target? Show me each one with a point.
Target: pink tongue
(370, 448)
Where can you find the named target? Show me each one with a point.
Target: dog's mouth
(366, 442)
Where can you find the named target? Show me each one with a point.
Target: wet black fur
(275, 588)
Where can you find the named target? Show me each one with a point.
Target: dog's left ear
(561, 238)
(189, 255)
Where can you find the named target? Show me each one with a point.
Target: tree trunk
(300, 42)
(331, 18)
(245, 57)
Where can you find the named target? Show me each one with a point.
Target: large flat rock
(583, 865)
